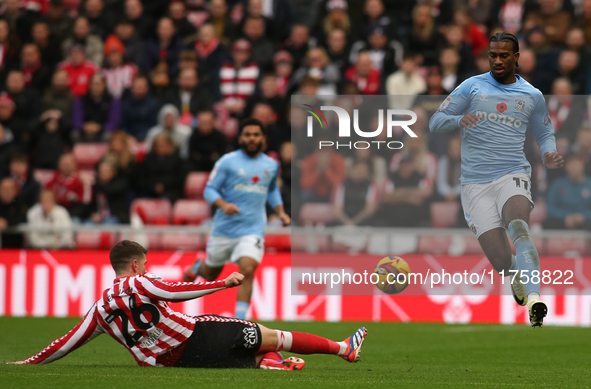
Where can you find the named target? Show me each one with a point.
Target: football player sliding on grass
(135, 312)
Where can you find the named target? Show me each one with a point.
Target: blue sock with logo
(241, 309)
(528, 259)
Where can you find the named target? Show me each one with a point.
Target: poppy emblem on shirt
(501, 107)
(255, 179)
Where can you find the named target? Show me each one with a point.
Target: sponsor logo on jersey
(499, 118)
(251, 337)
(445, 104)
(519, 105)
(251, 188)
(483, 97)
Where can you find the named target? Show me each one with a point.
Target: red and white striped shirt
(119, 79)
(238, 84)
(134, 311)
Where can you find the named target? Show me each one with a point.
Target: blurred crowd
(165, 83)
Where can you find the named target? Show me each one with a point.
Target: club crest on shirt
(519, 105)
(266, 174)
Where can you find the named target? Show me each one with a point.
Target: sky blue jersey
(248, 183)
(494, 148)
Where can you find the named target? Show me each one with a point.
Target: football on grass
(392, 274)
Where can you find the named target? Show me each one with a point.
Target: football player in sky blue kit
(494, 110)
(240, 185)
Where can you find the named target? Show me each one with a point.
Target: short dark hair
(124, 252)
(505, 37)
(251, 122)
(19, 157)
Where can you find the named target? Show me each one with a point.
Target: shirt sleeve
(274, 195)
(213, 189)
(157, 289)
(450, 112)
(542, 128)
(84, 332)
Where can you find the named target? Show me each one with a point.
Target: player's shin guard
(302, 343)
(528, 259)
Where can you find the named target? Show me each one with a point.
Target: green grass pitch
(395, 355)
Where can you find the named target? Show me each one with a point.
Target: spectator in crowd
(126, 33)
(377, 164)
(163, 173)
(337, 48)
(188, 96)
(8, 148)
(139, 110)
(321, 172)
(405, 83)
(568, 202)
(569, 67)
(210, 51)
(566, 111)
(10, 49)
(289, 179)
(449, 61)
(454, 39)
(58, 96)
(12, 213)
(47, 213)
(424, 37)
(166, 47)
(99, 18)
(449, 171)
(168, 122)
(69, 189)
(319, 67)
(26, 185)
(585, 21)
(188, 59)
(238, 78)
(58, 20)
(50, 139)
(405, 197)
(37, 74)
(178, 14)
(27, 107)
(118, 74)
(97, 114)
(374, 14)
(110, 196)
(220, 19)
(423, 160)
(383, 54)
(120, 154)
(283, 63)
(79, 70)
(365, 75)
(336, 17)
(142, 22)
(552, 19)
(10, 122)
(355, 201)
(262, 47)
(276, 134)
(207, 144)
(527, 65)
(268, 93)
(473, 35)
(298, 43)
(93, 45)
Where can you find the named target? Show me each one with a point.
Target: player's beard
(251, 152)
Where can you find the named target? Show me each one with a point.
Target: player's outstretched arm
(85, 331)
(154, 288)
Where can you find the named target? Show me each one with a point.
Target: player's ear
(516, 59)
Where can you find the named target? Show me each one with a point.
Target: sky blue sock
(528, 259)
(241, 308)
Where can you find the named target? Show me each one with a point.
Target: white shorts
(221, 250)
(483, 203)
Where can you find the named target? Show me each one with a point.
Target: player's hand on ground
(230, 209)
(553, 160)
(234, 279)
(469, 120)
(285, 219)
